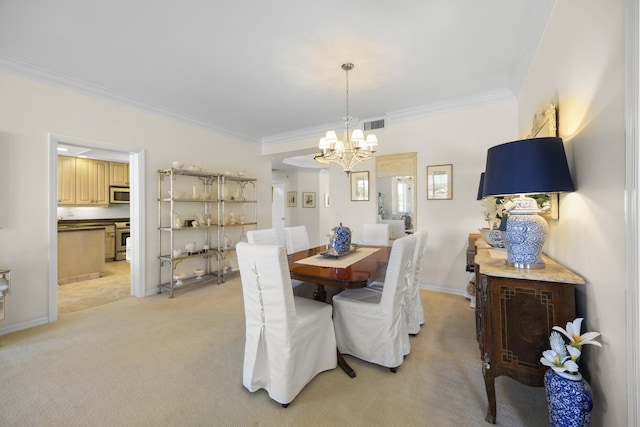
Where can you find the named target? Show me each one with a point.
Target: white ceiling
(265, 70)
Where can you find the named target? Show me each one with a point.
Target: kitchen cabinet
(80, 254)
(201, 217)
(118, 174)
(110, 242)
(66, 180)
(516, 310)
(92, 182)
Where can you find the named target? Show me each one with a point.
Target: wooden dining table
(358, 274)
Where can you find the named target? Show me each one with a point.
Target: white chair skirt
(386, 342)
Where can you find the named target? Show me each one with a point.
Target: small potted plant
(568, 394)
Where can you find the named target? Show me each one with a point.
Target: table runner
(342, 262)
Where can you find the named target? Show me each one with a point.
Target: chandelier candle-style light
(353, 148)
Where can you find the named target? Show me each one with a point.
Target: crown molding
(22, 69)
(452, 105)
(487, 98)
(28, 71)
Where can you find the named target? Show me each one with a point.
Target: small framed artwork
(440, 182)
(308, 200)
(292, 199)
(359, 186)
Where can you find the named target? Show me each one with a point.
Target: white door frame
(136, 166)
(632, 208)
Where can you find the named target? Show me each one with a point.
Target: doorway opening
(119, 278)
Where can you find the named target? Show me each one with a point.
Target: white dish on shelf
(199, 272)
(178, 278)
(177, 165)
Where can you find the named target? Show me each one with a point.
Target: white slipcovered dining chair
(375, 234)
(414, 311)
(269, 236)
(396, 228)
(289, 340)
(296, 239)
(370, 324)
(413, 305)
(266, 236)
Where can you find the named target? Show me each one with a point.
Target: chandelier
(353, 148)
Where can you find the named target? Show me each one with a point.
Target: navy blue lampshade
(481, 187)
(527, 166)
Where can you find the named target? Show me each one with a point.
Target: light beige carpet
(178, 362)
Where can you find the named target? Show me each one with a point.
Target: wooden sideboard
(515, 311)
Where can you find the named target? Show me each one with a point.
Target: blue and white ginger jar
(340, 240)
(570, 401)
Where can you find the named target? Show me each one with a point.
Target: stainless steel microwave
(118, 195)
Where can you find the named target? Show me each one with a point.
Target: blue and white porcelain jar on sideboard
(569, 398)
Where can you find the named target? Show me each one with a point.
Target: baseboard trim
(24, 325)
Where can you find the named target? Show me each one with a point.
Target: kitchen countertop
(80, 227)
(87, 224)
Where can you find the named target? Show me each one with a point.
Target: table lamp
(481, 187)
(528, 166)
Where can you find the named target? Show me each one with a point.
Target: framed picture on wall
(440, 182)
(292, 199)
(308, 200)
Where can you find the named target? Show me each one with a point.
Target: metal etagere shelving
(201, 217)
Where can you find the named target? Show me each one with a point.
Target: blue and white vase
(340, 240)
(570, 399)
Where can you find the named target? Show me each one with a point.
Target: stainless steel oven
(118, 195)
(122, 233)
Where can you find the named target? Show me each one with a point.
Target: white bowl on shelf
(177, 165)
(178, 278)
(199, 272)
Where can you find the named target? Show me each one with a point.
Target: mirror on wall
(396, 192)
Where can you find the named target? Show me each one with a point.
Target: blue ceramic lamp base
(525, 234)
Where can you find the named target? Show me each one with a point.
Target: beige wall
(29, 111)
(580, 64)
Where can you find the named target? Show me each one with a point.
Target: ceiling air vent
(374, 124)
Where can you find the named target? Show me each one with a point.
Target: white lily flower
(551, 359)
(573, 333)
(570, 366)
(564, 358)
(574, 352)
